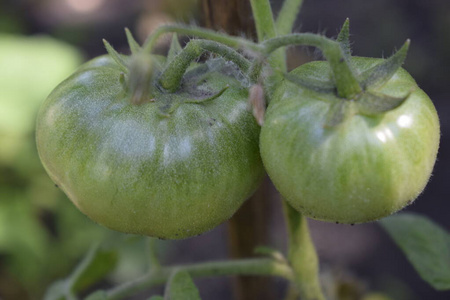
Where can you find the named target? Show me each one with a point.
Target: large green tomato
(365, 168)
(136, 170)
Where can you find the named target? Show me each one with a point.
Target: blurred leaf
(133, 257)
(98, 295)
(184, 11)
(181, 287)
(95, 268)
(30, 67)
(376, 296)
(11, 20)
(425, 244)
(22, 238)
(156, 298)
(56, 291)
(96, 264)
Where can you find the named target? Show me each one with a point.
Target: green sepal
(167, 105)
(202, 99)
(381, 73)
(123, 81)
(181, 287)
(142, 68)
(134, 46)
(371, 103)
(174, 50)
(344, 39)
(339, 111)
(115, 56)
(320, 86)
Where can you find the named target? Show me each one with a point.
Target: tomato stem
(152, 255)
(287, 16)
(346, 83)
(265, 29)
(253, 266)
(171, 77)
(231, 41)
(302, 255)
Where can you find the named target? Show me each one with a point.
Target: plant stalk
(346, 82)
(287, 16)
(257, 266)
(171, 77)
(302, 255)
(265, 29)
(231, 41)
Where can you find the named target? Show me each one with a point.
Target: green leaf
(372, 103)
(344, 39)
(174, 50)
(206, 96)
(425, 244)
(95, 265)
(156, 298)
(381, 73)
(95, 268)
(134, 46)
(22, 61)
(116, 56)
(181, 287)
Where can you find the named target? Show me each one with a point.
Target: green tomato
(136, 170)
(360, 170)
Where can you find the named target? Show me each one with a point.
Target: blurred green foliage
(41, 233)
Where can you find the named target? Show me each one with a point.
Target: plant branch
(152, 253)
(302, 255)
(256, 266)
(265, 26)
(171, 77)
(287, 16)
(265, 29)
(346, 82)
(231, 41)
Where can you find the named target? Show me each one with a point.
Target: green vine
(256, 266)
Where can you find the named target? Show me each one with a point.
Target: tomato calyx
(142, 76)
(370, 101)
(138, 71)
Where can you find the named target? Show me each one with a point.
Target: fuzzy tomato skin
(133, 170)
(360, 170)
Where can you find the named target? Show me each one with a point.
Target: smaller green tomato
(360, 170)
(169, 167)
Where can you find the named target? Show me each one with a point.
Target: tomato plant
(174, 166)
(364, 168)
(168, 147)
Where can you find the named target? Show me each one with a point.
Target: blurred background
(43, 236)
